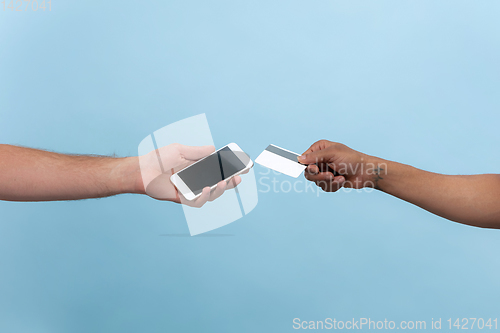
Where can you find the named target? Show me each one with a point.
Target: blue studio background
(412, 81)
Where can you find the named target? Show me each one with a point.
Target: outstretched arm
(35, 175)
(472, 200)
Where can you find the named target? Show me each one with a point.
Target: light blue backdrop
(413, 81)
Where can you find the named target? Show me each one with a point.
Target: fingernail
(301, 158)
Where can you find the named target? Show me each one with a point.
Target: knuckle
(336, 145)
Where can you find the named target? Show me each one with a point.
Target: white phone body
(187, 192)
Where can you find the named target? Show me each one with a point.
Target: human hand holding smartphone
(159, 166)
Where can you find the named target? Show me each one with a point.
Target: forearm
(35, 175)
(472, 200)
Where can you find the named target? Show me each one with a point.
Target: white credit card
(281, 160)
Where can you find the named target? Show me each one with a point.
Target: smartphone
(223, 164)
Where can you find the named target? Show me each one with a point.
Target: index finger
(318, 145)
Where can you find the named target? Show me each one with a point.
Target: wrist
(129, 177)
(375, 172)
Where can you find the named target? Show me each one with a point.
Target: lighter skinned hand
(352, 168)
(175, 157)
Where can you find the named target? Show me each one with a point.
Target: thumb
(315, 157)
(194, 153)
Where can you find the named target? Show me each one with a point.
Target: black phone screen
(211, 170)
